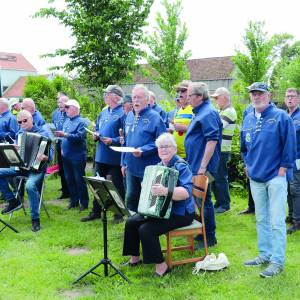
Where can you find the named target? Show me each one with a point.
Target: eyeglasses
(291, 96)
(189, 96)
(67, 107)
(22, 121)
(165, 146)
(181, 91)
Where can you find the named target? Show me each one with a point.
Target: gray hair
(144, 88)
(290, 90)
(151, 94)
(166, 138)
(200, 88)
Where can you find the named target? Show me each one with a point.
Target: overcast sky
(215, 27)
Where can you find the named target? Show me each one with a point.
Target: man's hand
(159, 190)
(42, 157)
(282, 171)
(96, 136)
(106, 140)
(123, 171)
(137, 152)
(202, 170)
(60, 133)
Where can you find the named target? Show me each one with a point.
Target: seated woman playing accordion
(147, 229)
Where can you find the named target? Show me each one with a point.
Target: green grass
(37, 265)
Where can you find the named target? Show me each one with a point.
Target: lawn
(42, 266)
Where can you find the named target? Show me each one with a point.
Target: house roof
(211, 68)
(17, 89)
(15, 61)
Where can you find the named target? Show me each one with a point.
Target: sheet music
(124, 149)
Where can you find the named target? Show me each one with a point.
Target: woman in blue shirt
(147, 230)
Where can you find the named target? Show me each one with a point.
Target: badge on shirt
(248, 137)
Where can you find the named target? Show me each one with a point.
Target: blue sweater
(162, 113)
(74, 144)
(59, 118)
(8, 127)
(296, 121)
(205, 126)
(268, 143)
(141, 133)
(108, 124)
(38, 119)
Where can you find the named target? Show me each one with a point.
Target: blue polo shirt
(58, 119)
(161, 112)
(108, 124)
(8, 127)
(141, 132)
(268, 142)
(185, 181)
(296, 121)
(73, 146)
(205, 126)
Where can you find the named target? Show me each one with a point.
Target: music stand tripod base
(98, 188)
(9, 226)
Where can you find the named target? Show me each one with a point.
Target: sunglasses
(22, 121)
(67, 107)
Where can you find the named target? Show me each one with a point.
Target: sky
(215, 27)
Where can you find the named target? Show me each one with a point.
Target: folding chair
(200, 185)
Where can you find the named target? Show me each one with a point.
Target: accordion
(157, 206)
(31, 145)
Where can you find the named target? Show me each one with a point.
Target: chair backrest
(200, 185)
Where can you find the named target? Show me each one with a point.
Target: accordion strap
(169, 196)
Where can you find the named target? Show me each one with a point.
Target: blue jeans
(220, 186)
(209, 216)
(74, 172)
(33, 187)
(133, 190)
(270, 200)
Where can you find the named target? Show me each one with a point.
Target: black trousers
(64, 186)
(147, 231)
(116, 176)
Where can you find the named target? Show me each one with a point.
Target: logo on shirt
(248, 137)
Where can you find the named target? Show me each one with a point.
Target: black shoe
(157, 275)
(210, 243)
(247, 211)
(92, 216)
(118, 219)
(11, 206)
(289, 220)
(295, 227)
(35, 225)
(70, 206)
(131, 264)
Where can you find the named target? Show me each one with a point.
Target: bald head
(29, 105)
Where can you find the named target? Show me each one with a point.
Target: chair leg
(21, 199)
(169, 251)
(191, 243)
(42, 202)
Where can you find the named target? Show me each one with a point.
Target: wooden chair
(200, 185)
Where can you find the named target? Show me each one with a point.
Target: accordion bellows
(150, 205)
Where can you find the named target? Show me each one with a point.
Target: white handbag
(212, 263)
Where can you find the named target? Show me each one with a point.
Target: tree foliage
(107, 35)
(167, 56)
(262, 52)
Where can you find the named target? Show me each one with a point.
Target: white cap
(5, 101)
(72, 102)
(12, 102)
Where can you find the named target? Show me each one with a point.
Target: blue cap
(258, 86)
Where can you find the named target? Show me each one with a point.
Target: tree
(107, 35)
(166, 46)
(260, 56)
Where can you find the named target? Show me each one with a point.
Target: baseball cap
(183, 85)
(72, 102)
(114, 89)
(258, 86)
(126, 99)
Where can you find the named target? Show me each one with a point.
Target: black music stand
(109, 199)
(9, 157)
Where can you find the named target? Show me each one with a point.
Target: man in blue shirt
(292, 103)
(29, 105)
(143, 126)
(59, 116)
(73, 150)
(35, 179)
(203, 148)
(8, 123)
(268, 146)
(107, 161)
(158, 108)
